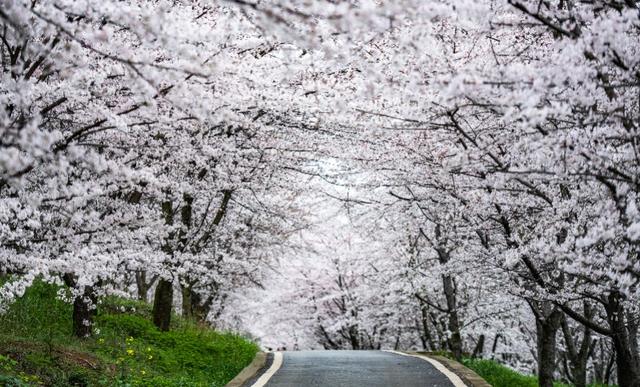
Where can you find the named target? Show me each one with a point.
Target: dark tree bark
(187, 310)
(143, 285)
(577, 351)
(494, 347)
(622, 329)
(163, 300)
(548, 319)
(425, 336)
(193, 305)
(624, 341)
(546, 338)
(84, 312)
(354, 337)
(186, 215)
(84, 309)
(326, 339)
(603, 361)
(201, 308)
(479, 349)
(455, 340)
(609, 369)
(163, 305)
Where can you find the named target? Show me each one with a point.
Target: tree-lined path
(443, 175)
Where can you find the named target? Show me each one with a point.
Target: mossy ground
(37, 348)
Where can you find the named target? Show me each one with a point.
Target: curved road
(349, 368)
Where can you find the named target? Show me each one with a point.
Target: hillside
(37, 348)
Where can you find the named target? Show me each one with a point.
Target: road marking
(275, 366)
(455, 379)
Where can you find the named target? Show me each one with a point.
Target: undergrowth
(498, 375)
(37, 348)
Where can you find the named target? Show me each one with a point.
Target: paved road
(354, 368)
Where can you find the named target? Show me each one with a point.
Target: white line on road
(455, 379)
(275, 366)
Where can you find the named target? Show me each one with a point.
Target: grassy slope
(500, 376)
(37, 349)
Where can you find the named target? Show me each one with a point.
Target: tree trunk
(603, 361)
(200, 307)
(455, 340)
(187, 301)
(479, 349)
(163, 299)
(578, 351)
(609, 370)
(84, 311)
(84, 308)
(143, 286)
(494, 347)
(163, 305)
(546, 353)
(628, 375)
(622, 329)
(579, 374)
(354, 337)
(193, 306)
(626, 351)
(547, 324)
(427, 340)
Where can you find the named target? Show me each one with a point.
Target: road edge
(249, 371)
(468, 376)
(276, 360)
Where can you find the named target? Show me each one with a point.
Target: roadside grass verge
(498, 375)
(37, 348)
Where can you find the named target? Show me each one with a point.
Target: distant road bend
(352, 369)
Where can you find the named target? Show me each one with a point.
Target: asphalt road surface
(348, 368)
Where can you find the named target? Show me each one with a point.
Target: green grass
(498, 375)
(36, 347)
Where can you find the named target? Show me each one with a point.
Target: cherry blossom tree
(407, 168)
